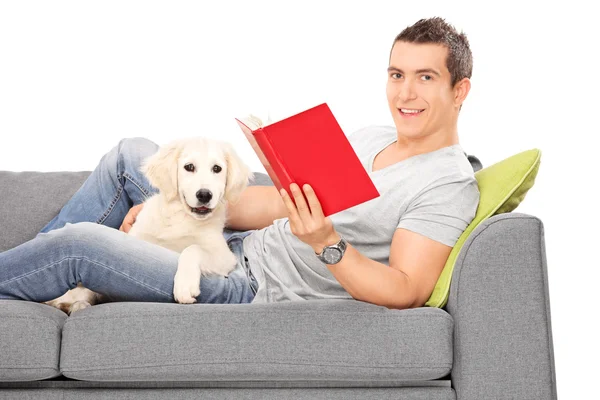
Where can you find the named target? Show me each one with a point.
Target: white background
(78, 76)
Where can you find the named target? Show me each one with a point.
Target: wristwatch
(333, 254)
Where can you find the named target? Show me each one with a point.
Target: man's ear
(161, 169)
(461, 90)
(238, 174)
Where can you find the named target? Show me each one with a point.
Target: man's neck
(408, 147)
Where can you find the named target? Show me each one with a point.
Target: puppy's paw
(223, 264)
(78, 305)
(186, 285)
(64, 307)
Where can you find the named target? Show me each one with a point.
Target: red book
(310, 147)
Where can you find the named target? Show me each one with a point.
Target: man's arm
(257, 208)
(416, 263)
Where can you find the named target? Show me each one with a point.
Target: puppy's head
(201, 172)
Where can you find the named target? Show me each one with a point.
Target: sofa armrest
(500, 304)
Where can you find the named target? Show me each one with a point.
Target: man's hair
(435, 30)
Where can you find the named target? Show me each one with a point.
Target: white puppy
(195, 178)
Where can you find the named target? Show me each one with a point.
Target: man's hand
(130, 217)
(307, 221)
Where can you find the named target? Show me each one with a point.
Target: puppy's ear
(238, 174)
(161, 169)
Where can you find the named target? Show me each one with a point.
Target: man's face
(419, 94)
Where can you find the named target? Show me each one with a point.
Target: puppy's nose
(204, 195)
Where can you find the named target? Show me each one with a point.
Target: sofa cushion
(343, 340)
(502, 187)
(30, 340)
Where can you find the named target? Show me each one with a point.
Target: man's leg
(114, 186)
(106, 261)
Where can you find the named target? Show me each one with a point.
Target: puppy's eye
(217, 169)
(189, 167)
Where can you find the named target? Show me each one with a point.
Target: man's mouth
(410, 112)
(201, 210)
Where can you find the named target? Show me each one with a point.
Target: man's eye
(428, 77)
(396, 75)
(217, 169)
(189, 167)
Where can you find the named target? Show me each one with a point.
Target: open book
(310, 147)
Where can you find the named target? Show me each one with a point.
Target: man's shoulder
(448, 171)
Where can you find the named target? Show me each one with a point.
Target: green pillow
(502, 187)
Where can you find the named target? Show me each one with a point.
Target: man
(388, 251)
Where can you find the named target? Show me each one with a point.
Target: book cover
(310, 147)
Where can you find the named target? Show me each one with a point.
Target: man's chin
(408, 129)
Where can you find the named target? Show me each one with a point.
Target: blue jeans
(83, 244)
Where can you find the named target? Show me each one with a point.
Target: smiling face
(419, 91)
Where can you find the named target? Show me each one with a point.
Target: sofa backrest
(29, 200)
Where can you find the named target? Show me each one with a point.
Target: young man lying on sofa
(389, 251)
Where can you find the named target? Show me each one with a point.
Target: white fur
(76, 299)
(168, 221)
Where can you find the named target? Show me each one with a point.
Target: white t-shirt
(434, 194)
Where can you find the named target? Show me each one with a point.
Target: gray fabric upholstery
(499, 300)
(29, 200)
(66, 383)
(30, 335)
(493, 340)
(238, 394)
(475, 163)
(261, 179)
(343, 340)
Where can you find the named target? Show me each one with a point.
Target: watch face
(332, 256)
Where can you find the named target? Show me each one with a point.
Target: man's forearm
(373, 282)
(257, 208)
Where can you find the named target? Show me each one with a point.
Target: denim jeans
(83, 244)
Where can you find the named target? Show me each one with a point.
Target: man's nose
(407, 91)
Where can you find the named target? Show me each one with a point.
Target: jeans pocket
(251, 279)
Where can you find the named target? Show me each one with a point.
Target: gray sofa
(492, 341)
